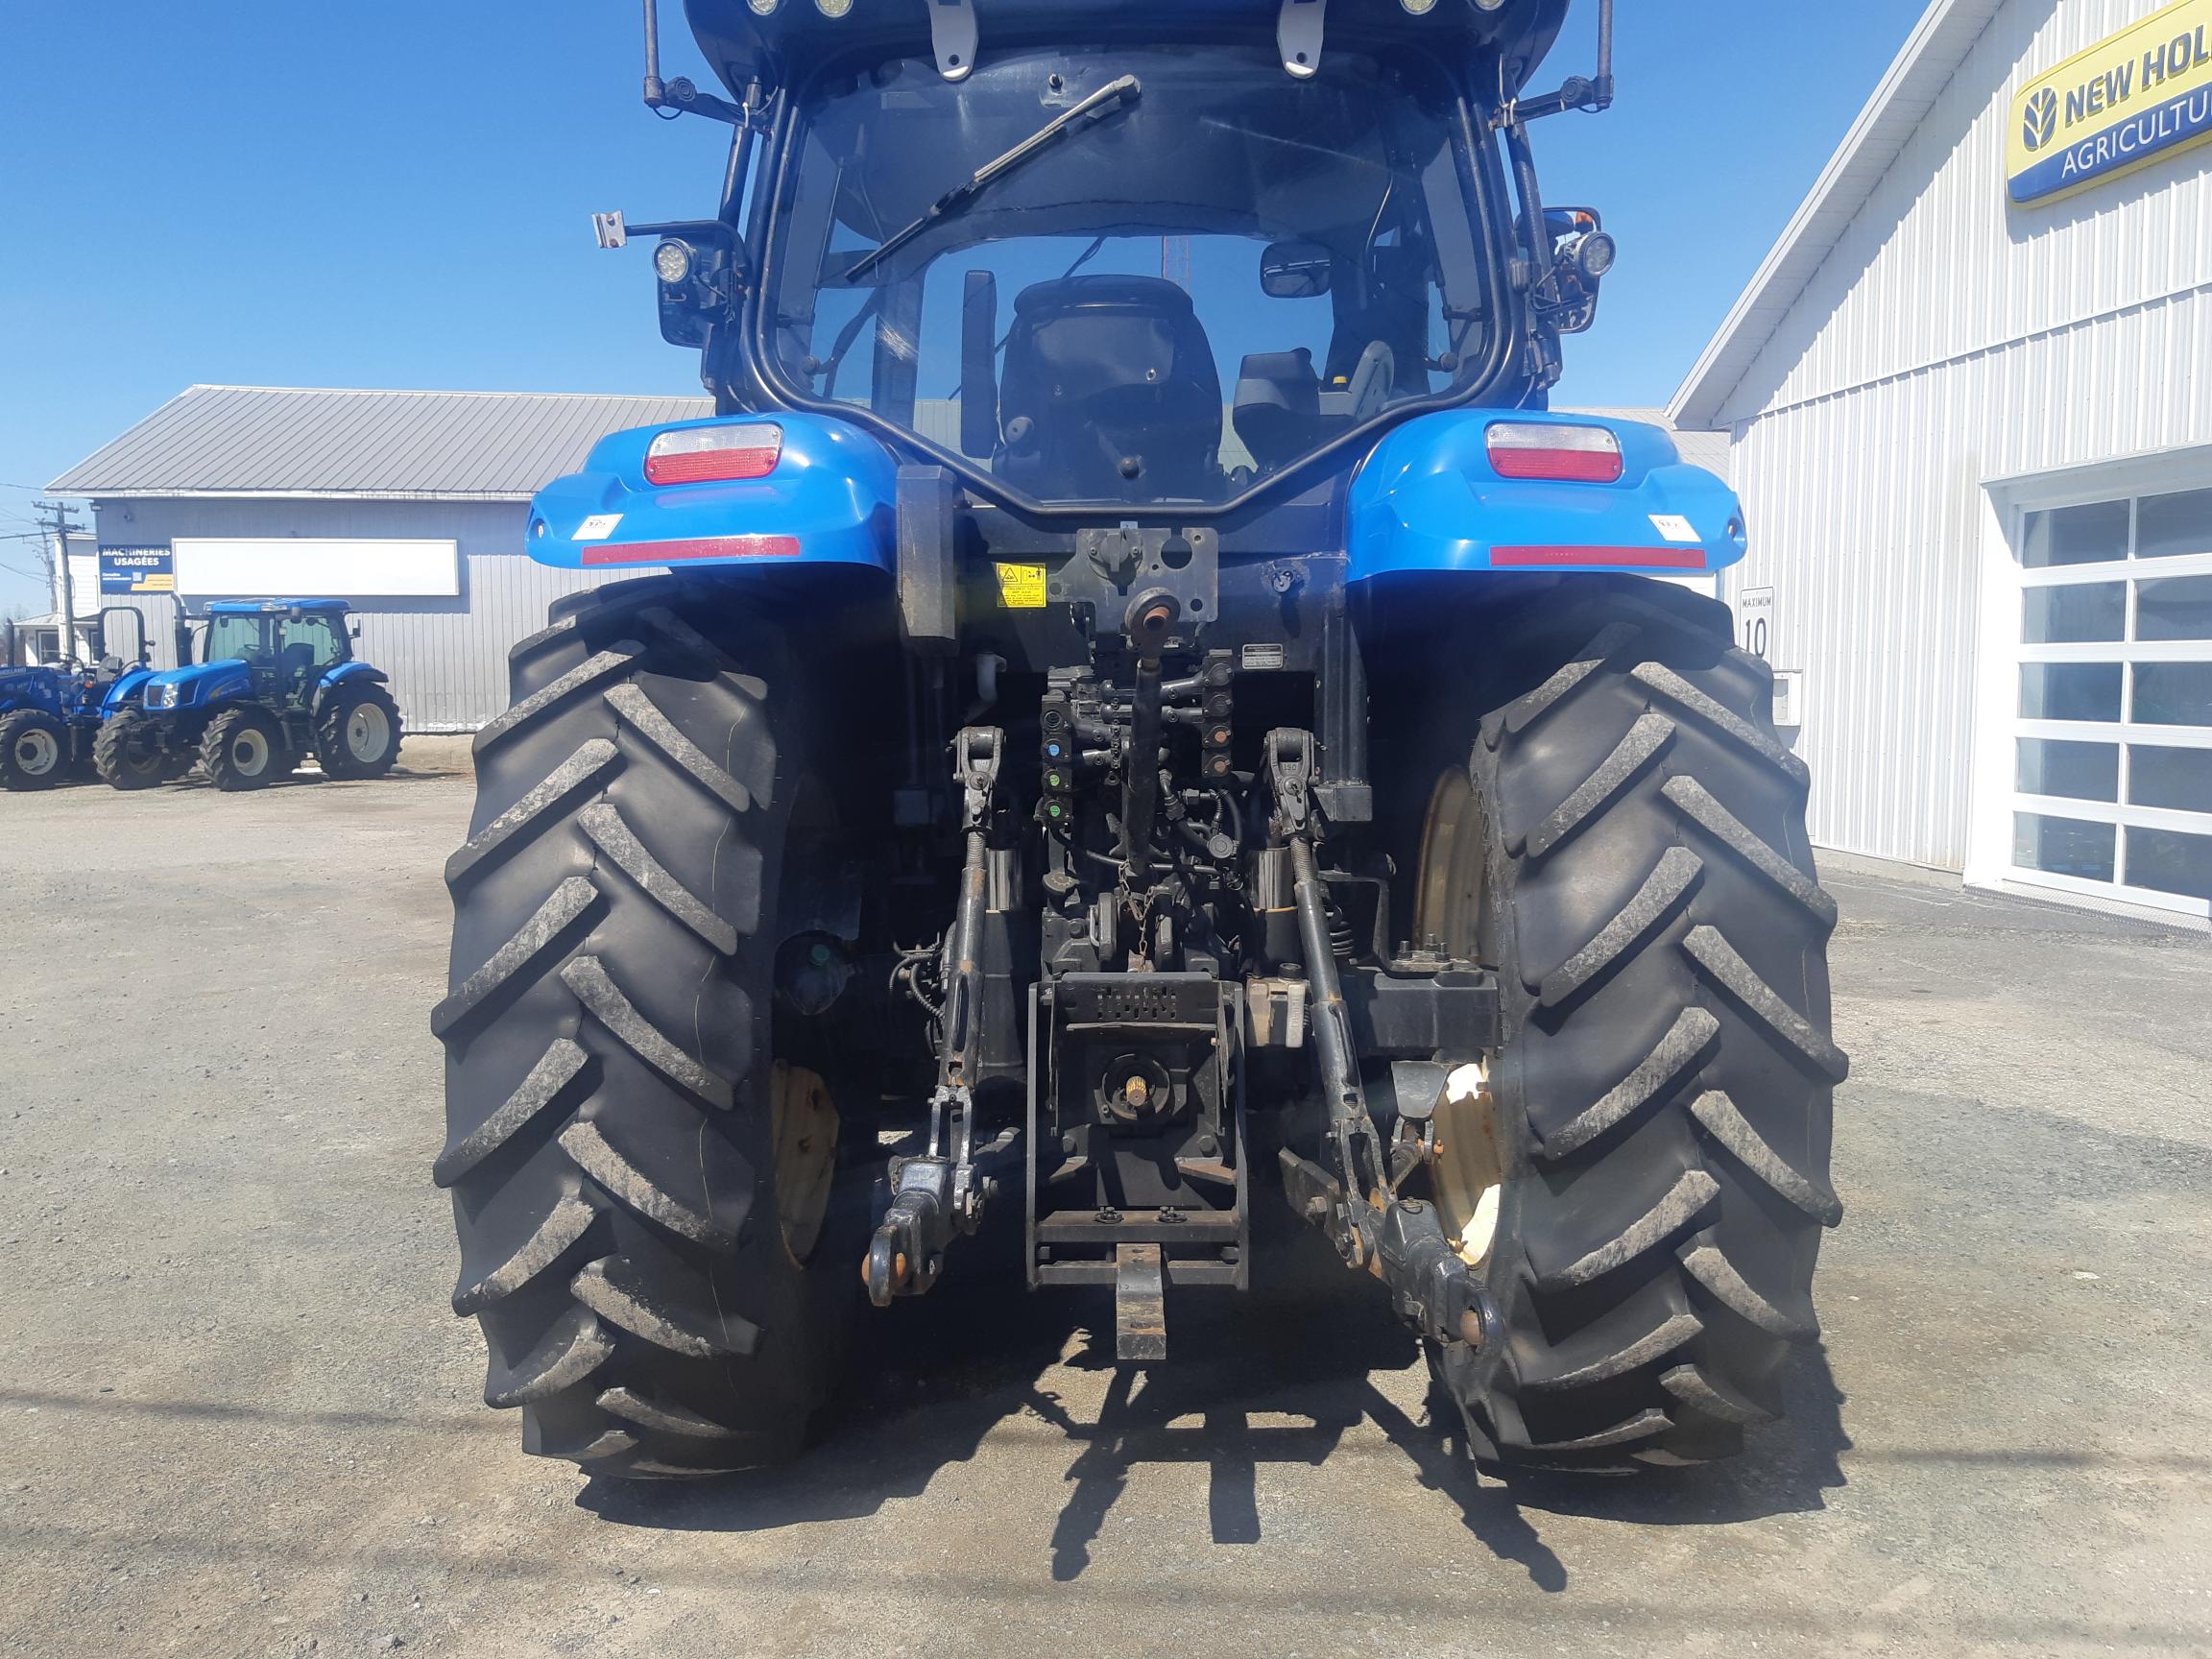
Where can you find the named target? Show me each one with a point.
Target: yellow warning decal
(1021, 586)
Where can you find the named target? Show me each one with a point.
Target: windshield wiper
(1113, 92)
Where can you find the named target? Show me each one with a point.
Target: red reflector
(713, 454)
(700, 548)
(1649, 558)
(706, 465)
(1566, 465)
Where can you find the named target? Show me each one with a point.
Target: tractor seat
(1109, 393)
(1278, 411)
(295, 661)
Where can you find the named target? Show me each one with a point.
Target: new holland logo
(2132, 100)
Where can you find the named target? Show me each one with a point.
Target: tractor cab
(286, 645)
(1095, 259)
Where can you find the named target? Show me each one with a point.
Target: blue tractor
(1137, 725)
(51, 714)
(277, 682)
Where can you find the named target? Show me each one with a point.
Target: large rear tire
(357, 734)
(643, 1194)
(1645, 1182)
(34, 750)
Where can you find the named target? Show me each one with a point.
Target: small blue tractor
(277, 682)
(1205, 745)
(51, 714)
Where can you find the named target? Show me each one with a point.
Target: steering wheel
(1373, 379)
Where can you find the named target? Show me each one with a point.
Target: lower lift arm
(939, 1194)
(1401, 1240)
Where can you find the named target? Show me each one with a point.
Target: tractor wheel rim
(368, 733)
(36, 754)
(1452, 910)
(803, 1124)
(250, 753)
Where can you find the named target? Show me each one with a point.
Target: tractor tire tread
(1667, 1069)
(13, 725)
(608, 1148)
(330, 752)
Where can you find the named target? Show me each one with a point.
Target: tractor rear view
(1150, 716)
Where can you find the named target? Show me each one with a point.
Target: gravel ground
(239, 1419)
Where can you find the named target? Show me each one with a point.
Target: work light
(672, 260)
(1595, 254)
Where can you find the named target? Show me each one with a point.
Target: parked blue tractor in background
(51, 714)
(1199, 746)
(277, 682)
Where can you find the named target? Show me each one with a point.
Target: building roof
(1930, 56)
(394, 446)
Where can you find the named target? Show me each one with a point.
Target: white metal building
(1970, 400)
(411, 505)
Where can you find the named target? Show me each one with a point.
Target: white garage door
(2112, 744)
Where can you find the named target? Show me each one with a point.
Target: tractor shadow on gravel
(197, 783)
(1277, 1377)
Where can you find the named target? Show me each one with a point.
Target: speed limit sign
(1755, 620)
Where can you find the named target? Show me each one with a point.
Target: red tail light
(714, 454)
(1564, 454)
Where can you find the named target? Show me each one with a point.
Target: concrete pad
(239, 1419)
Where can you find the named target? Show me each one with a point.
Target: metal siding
(447, 658)
(1865, 512)
(1946, 341)
(1938, 266)
(257, 439)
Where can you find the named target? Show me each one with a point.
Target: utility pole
(66, 599)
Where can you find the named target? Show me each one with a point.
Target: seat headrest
(1134, 292)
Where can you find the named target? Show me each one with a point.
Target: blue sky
(274, 193)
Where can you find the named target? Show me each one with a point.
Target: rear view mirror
(1295, 271)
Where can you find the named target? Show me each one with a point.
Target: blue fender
(831, 499)
(126, 688)
(346, 671)
(1429, 499)
(345, 674)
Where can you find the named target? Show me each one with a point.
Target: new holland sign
(2144, 93)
